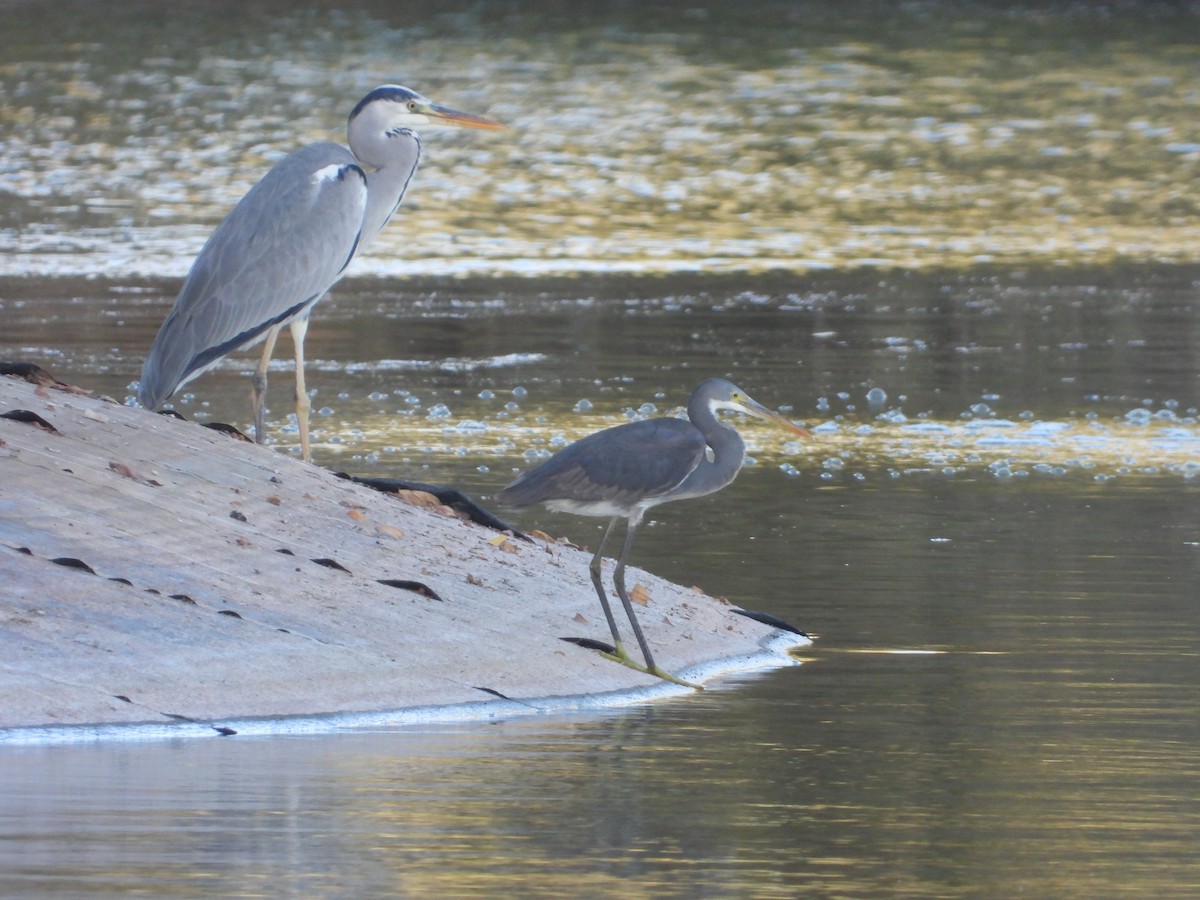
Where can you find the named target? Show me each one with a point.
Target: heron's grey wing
(276, 253)
(619, 465)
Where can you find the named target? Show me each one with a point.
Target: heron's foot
(667, 676)
(619, 655)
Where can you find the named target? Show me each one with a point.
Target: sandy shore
(158, 574)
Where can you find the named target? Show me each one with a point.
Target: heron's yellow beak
(769, 415)
(440, 115)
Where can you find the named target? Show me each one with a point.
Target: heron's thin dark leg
(618, 650)
(619, 582)
(258, 387)
(299, 330)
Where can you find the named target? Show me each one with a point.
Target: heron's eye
(412, 105)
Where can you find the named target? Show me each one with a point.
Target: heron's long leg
(594, 568)
(258, 386)
(619, 581)
(299, 330)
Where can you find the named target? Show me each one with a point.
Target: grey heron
(287, 241)
(623, 471)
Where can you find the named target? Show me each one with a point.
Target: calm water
(998, 555)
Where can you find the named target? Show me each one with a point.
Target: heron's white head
(392, 108)
(382, 129)
(718, 394)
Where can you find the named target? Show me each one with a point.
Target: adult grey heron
(623, 471)
(287, 242)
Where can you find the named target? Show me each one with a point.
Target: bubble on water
(789, 470)
(822, 404)
(376, 396)
(647, 409)
(486, 394)
(512, 406)
(1138, 416)
(483, 469)
(438, 411)
(876, 399)
(980, 410)
(533, 454)
(583, 406)
(520, 392)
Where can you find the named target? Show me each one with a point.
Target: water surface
(672, 138)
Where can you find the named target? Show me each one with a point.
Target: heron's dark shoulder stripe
(339, 171)
(208, 357)
(392, 92)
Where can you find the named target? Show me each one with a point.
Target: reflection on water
(1087, 374)
(798, 136)
(993, 536)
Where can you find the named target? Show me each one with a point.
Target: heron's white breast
(605, 508)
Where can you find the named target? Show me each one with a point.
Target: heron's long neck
(729, 451)
(386, 184)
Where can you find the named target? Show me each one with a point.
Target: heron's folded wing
(275, 254)
(619, 465)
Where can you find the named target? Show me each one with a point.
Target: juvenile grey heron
(287, 242)
(623, 471)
